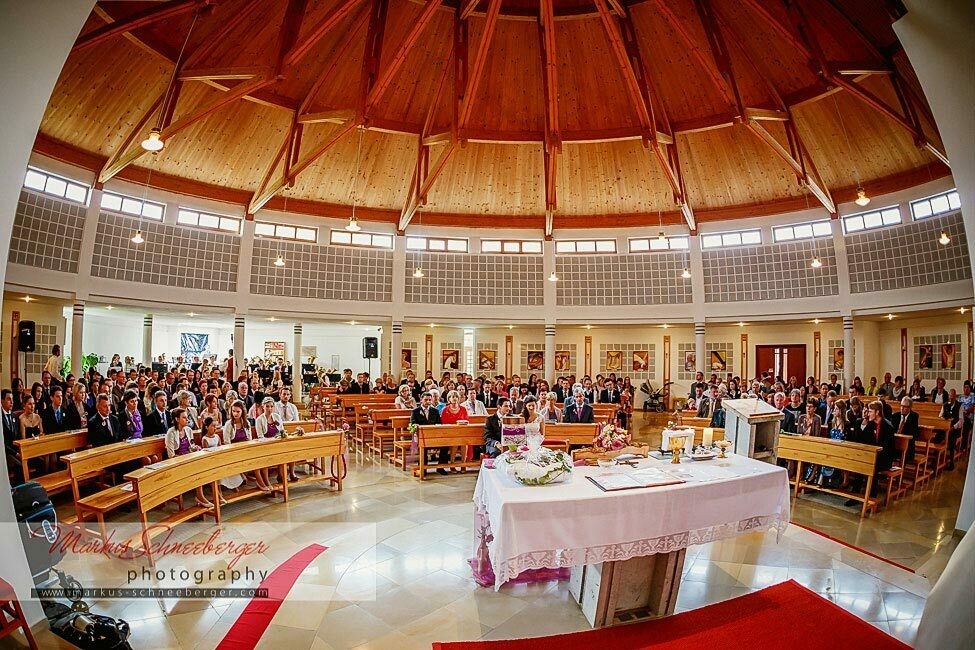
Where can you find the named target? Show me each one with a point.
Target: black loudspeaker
(25, 336)
(370, 347)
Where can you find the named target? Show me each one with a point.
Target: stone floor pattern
(412, 586)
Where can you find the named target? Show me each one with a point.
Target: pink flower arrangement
(611, 438)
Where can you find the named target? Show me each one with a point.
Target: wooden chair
(12, 615)
(432, 436)
(916, 468)
(896, 472)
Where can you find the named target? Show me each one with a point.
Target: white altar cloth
(575, 523)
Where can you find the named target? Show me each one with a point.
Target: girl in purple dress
(238, 429)
(179, 441)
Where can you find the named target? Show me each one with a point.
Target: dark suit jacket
(934, 393)
(950, 411)
(51, 423)
(609, 397)
(99, 434)
(490, 399)
(432, 417)
(492, 434)
(702, 409)
(569, 414)
(910, 428)
(359, 389)
(885, 439)
(11, 432)
(590, 395)
(153, 425)
(74, 418)
(788, 421)
(560, 394)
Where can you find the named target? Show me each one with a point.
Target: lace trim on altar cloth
(510, 569)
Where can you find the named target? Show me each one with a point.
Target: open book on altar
(642, 478)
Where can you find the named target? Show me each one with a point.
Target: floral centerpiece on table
(532, 464)
(611, 438)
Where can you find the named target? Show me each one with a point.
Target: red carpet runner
(255, 618)
(786, 616)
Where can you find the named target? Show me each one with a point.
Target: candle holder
(723, 445)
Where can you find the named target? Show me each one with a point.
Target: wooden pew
(572, 435)
(432, 436)
(157, 483)
(841, 454)
(48, 445)
(89, 461)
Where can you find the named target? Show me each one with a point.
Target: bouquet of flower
(535, 467)
(611, 438)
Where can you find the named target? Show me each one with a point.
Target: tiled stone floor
(410, 585)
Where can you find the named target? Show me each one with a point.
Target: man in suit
(361, 384)
(492, 428)
(825, 410)
(578, 412)
(55, 419)
(424, 414)
(562, 390)
(610, 394)
(103, 427)
(905, 422)
(710, 407)
(875, 430)
(951, 411)
(158, 421)
(11, 429)
(788, 417)
(697, 383)
(488, 396)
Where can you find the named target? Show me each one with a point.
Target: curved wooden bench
(157, 483)
(84, 463)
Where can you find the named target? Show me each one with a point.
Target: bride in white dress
(534, 421)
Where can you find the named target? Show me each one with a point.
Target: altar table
(612, 534)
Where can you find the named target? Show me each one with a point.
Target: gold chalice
(722, 445)
(676, 447)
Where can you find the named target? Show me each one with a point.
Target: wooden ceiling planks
(106, 88)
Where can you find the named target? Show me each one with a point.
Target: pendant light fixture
(862, 199)
(816, 263)
(353, 225)
(279, 262)
(154, 142)
(418, 273)
(944, 239)
(686, 273)
(137, 238)
(553, 277)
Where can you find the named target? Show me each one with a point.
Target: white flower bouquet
(535, 466)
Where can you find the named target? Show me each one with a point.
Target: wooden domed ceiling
(553, 113)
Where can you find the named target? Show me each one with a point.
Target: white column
(296, 366)
(147, 341)
(238, 345)
(77, 337)
(550, 353)
(396, 349)
(699, 351)
(848, 369)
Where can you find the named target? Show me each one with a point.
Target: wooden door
(782, 361)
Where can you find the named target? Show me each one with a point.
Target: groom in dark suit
(578, 412)
(492, 428)
(103, 427)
